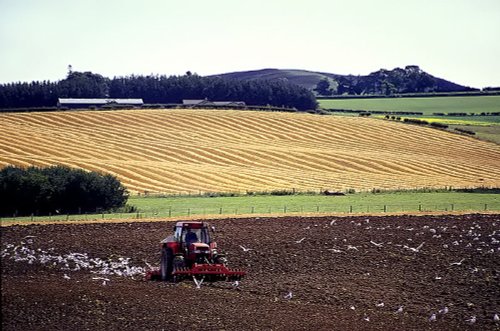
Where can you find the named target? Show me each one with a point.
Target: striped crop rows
(181, 151)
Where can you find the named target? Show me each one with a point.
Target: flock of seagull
(71, 262)
(488, 244)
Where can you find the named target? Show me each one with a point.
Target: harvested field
(182, 151)
(351, 273)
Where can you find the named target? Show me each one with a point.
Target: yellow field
(180, 151)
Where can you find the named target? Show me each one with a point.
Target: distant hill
(411, 79)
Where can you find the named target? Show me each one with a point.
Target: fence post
(350, 209)
(189, 211)
(485, 206)
(452, 207)
(317, 209)
(170, 212)
(253, 208)
(220, 211)
(420, 207)
(385, 208)
(284, 209)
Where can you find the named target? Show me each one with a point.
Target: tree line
(156, 89)
(58, 190)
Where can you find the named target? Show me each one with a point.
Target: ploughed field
(318, 273)
(192, 151)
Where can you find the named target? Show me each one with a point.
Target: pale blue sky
(453, 39)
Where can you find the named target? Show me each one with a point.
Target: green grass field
(428, 105)
(158, 207)
(485, 127)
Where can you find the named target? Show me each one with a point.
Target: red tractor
(190, 252)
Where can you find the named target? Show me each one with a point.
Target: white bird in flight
(66, 276)
(374, 243)
(380, 304)
(471, 320)
(416, 250)
(432, 318)
(289, 295)
(443, 311)
(300, 240)
(458, 263)
(400, 310)
(246, 249)
(496, 318)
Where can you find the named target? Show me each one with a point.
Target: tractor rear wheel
(167, 258)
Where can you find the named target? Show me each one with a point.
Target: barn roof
(65, 101)
(204, 102)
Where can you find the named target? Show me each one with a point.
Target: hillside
(410, 79)
(182, 151)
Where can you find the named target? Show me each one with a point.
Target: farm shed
(86, 103)
(207, 103)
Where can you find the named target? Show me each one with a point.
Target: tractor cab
(191, 232)
(190, 252)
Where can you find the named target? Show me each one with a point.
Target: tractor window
(201, 235)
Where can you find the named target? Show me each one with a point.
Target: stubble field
(192, 151)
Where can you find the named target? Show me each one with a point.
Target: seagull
(432, 318)
(496, 318)
(458, 263)
(300, 240)
(400, 310)
(66, 276)
(438, 278)
(246, 249)
(213, 228)
(374, 243)
(443, 311)
(333, 222)
(335, 250)
(236, 284)
(416, 250)
(289, 295)
(366, 318)
(380, 304)
(149, 265)
(104, 280)
(352, 247)
(471, 320)
(353, 308)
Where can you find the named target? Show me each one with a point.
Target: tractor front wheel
(166, 263)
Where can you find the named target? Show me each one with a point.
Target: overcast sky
(458, 40)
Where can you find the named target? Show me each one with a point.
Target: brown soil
(338, 276)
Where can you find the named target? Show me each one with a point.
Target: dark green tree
(323, 87)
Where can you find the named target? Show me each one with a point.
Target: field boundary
(7, 223)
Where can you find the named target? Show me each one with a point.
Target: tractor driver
(191, 237)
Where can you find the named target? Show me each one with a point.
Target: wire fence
(186, 211)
